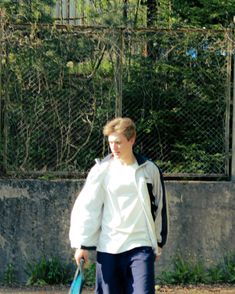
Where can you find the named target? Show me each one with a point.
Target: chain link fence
(59, 85)
(184, 111)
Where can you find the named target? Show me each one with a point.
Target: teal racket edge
(78, 280)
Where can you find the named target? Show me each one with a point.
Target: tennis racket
(78, 280)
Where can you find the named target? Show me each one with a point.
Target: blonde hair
(120, 125)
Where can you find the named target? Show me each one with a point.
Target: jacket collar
(139, 158)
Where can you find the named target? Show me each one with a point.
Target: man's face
(120, 147)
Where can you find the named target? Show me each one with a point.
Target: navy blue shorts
(130, 272)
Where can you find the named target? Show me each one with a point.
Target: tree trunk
(151, 12)
(152, 8)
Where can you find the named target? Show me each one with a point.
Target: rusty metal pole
(233, 114)
(3, 125)
(1, 59)
(118, 75)
(228, 101)
(1, 64)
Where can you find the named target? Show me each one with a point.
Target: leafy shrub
(48, 272)
(9, 278)
(89, 274)
(195, 272)
(225, 271)
(184, 272)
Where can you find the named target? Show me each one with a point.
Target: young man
(122, 213)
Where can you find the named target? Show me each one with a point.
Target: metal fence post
(118, 75)
(3, 115)
(1, 60)
(1, 37)
(233, 119)
(228, 100)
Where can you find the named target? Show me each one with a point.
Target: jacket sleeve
(161, 216)
(86, 214)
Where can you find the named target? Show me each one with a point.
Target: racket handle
(82, 261)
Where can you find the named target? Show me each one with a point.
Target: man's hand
(81, 253)
(159, 252)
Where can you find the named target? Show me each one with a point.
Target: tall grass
(48, 272)
(192, 271)
(52, 271)
(9, 278)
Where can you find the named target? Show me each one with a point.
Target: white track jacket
(86, 216)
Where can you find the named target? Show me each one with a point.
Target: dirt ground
(219, 289)
(203, 289)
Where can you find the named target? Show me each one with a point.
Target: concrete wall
(202, 220)
(34, 221)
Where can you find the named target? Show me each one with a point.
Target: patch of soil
(189, 289)
(199, 289)
(33, 289)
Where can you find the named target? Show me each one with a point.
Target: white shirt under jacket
(113, 210)
(124, 224)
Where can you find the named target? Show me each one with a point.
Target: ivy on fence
(59, 85)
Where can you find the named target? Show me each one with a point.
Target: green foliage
(166, 13)
(194, 271)
(56, 77)
(193, 159)
(201, 13)
(225, 271)
(215, 275)
(9, 278)
(175, 98)
(48, 272)
(52, 271)
(61, 87)
(229, 268)
(185, 272)
(33, 11)
(90, 273)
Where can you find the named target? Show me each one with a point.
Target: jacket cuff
(88, 247)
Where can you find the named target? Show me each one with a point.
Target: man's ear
(132, 140)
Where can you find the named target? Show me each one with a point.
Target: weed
(228, 268)
(89, 274)
(48, 272)
(215, 274)
(194, 272)
(9, 275)
(184, 272)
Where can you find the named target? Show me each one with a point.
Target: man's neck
(127, 161)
